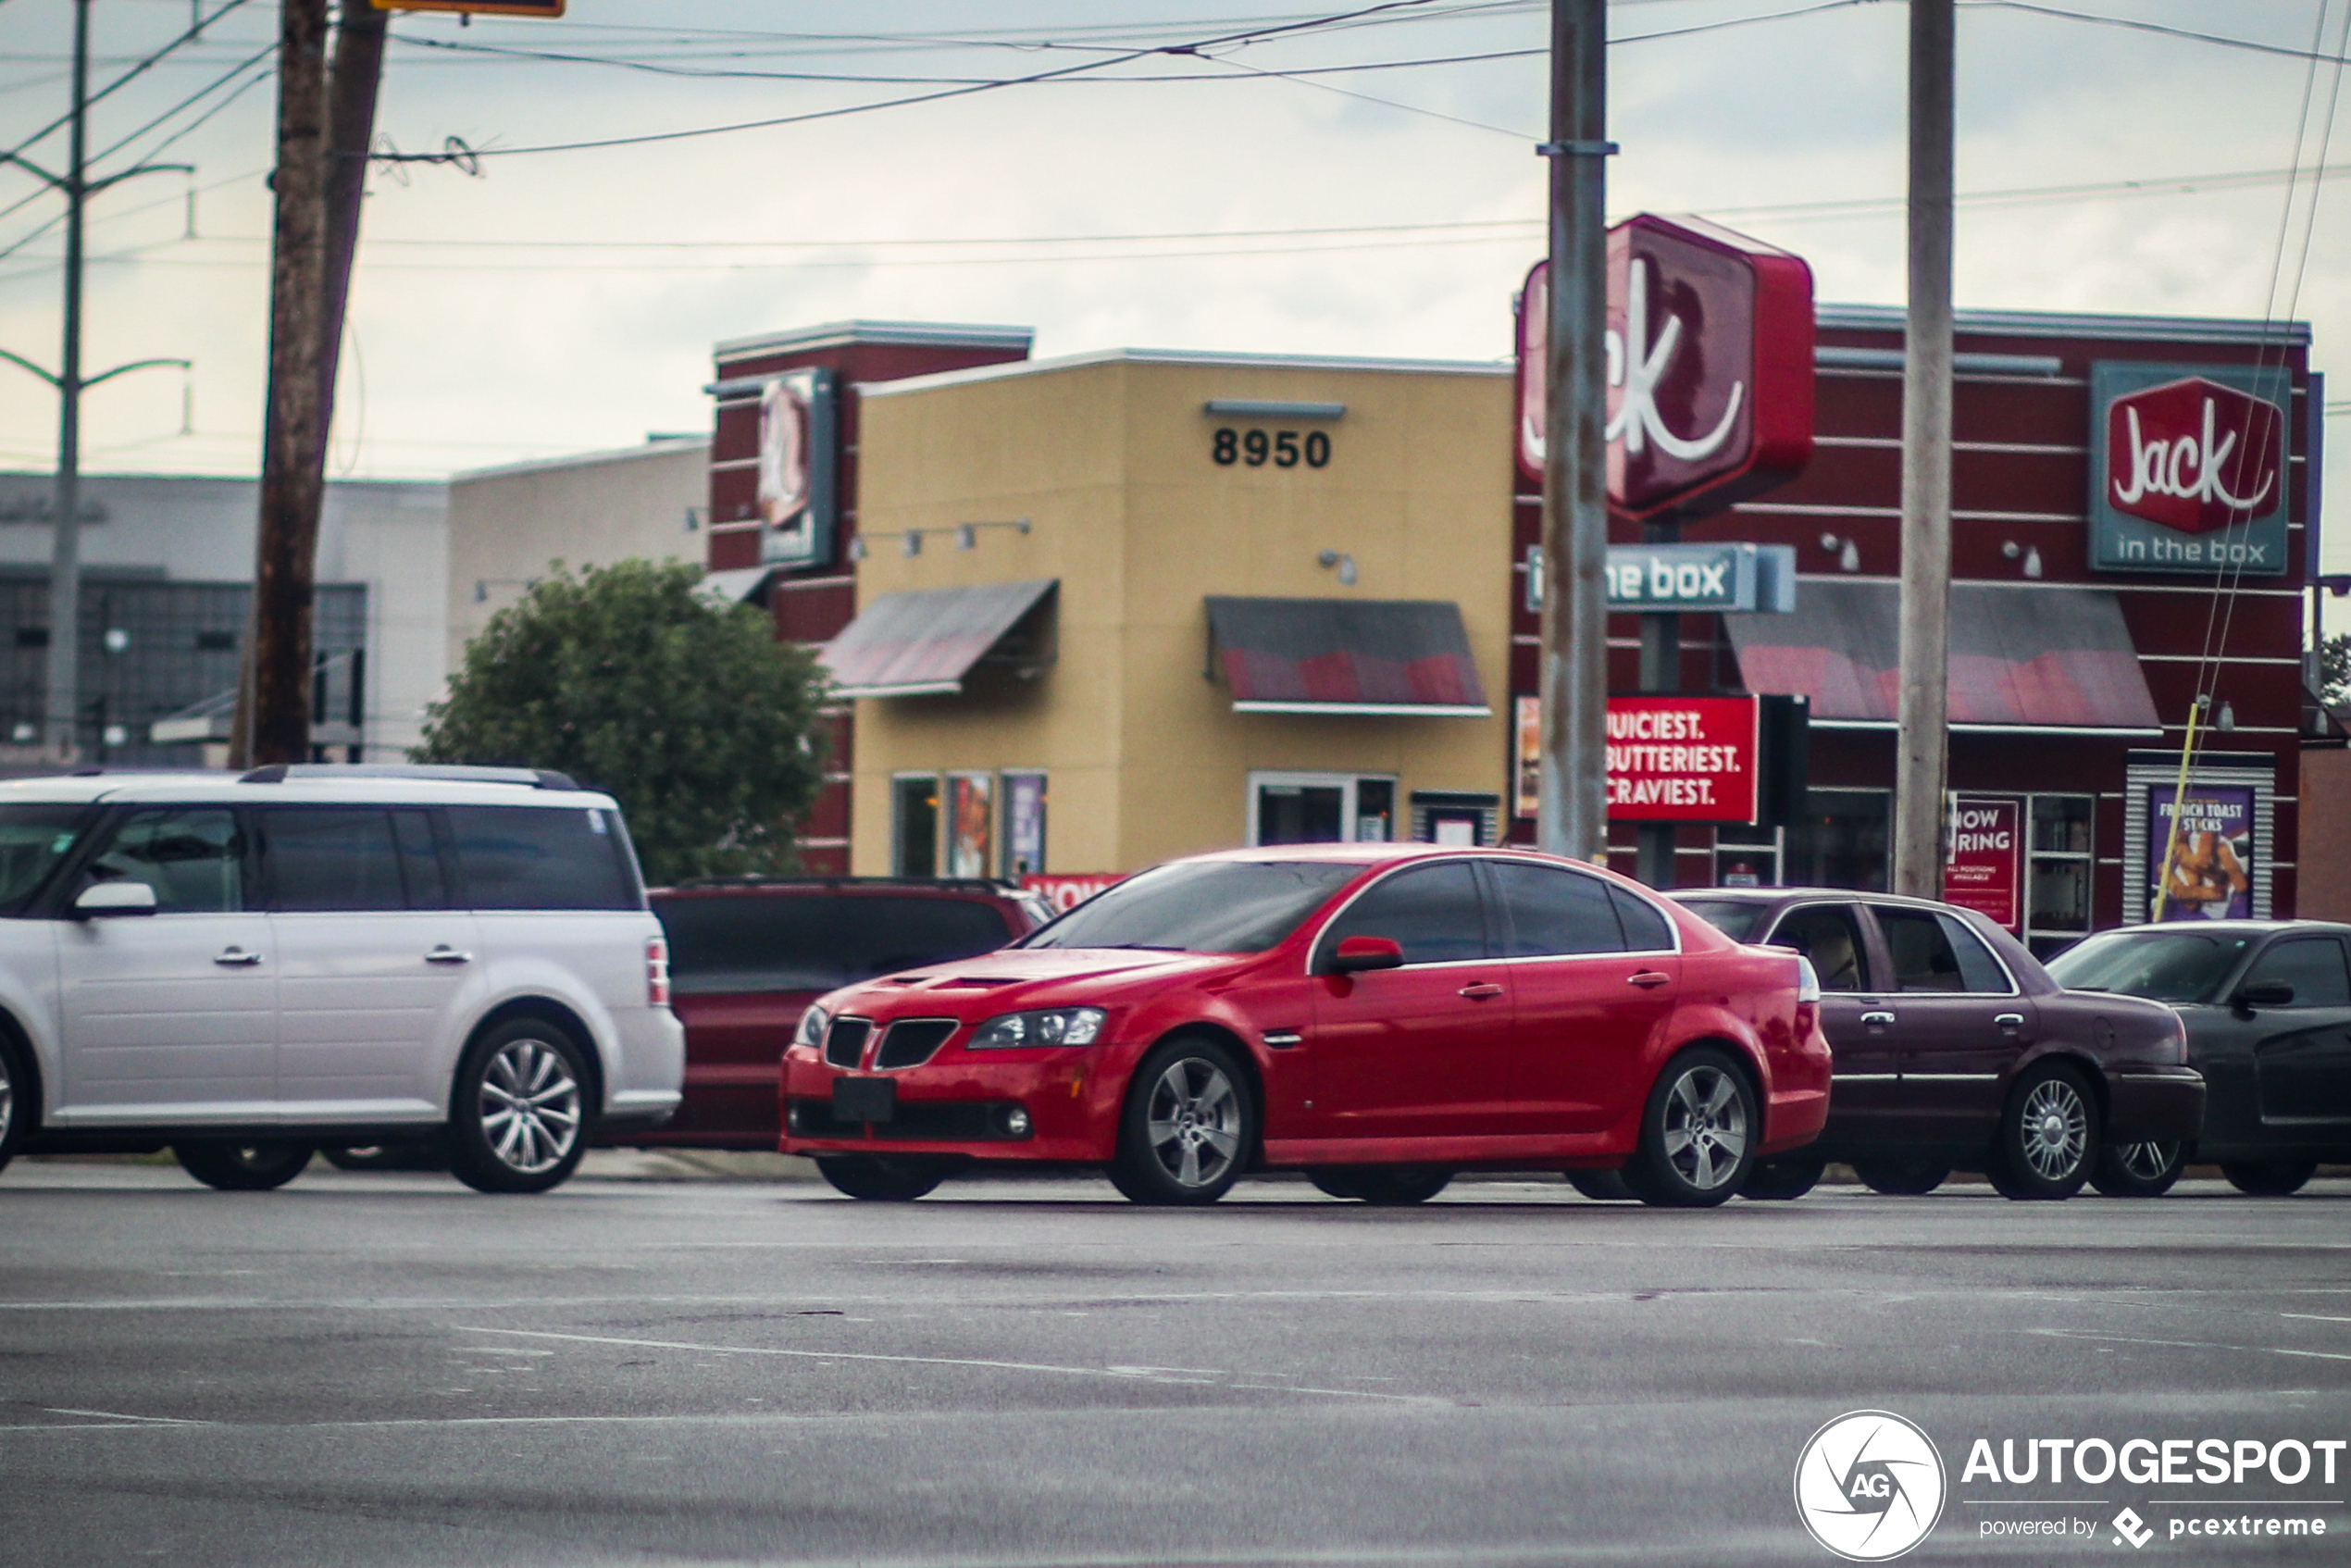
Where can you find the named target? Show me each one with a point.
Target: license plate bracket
(864, 1100)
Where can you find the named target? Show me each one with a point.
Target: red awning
(925, 642)
(2021, 658)
(1397, 657)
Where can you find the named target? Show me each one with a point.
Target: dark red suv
(747, 956)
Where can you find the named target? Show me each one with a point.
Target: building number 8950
(1284, 447)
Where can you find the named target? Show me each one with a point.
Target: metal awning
(2023, 658)
(1397, 657)
(740, 585)
(925, 642)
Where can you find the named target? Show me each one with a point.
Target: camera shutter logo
(1870, 1485)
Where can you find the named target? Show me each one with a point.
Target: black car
(1955, 1050)
(2268, 1006)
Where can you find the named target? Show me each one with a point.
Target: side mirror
(1356, 954)
(114, 898)
(2264, 993)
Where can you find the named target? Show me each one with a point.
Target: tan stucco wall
(1111, 461)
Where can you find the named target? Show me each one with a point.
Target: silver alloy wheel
(1193, 1122)
(2056, 1130)
(2147, 1162)
(529, 1106)
(1705, 1127)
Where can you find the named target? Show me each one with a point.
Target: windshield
(2160, 965)
(1735, 918)
(33, 840)
(1200, 906)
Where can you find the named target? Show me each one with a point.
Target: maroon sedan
(1378, 1016)
(1955, 1050)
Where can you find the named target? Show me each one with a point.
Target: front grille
(910, 1042)
(945, 1121)
(845, 1045)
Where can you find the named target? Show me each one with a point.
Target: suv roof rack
(765, 880)
(528, 778)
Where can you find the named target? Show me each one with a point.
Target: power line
(195, 30)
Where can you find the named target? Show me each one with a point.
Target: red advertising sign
(1984, 866)
(1682, 759)
(1710, 367)
(1066, 892)
(2195, 455)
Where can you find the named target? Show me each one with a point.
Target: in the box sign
(2189, 472)
(1682, 759)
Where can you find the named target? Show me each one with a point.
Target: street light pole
(1573, 815)
(60, 706)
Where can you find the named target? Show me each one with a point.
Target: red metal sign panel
(1682, 759)
(1709, 367)
(2195, 455)
(1984, 865)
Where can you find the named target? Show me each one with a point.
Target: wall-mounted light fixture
(2032, 554)
(1343, 561)
(1848, 553)
(911, 540)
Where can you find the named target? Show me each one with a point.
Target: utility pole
(1923, 763)
(1572, 818)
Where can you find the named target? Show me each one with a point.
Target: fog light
(1017, 1122)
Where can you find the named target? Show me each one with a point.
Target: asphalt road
(388, 1369)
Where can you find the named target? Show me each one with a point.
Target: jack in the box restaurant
(1084, 613)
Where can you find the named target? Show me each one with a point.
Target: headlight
(813, 1024)
(1054, 1026)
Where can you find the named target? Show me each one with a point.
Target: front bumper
(2154, 1105)
(960, 1105)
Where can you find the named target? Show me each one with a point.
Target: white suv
(247, 968)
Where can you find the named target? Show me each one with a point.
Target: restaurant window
(913, 824)
(1747, 856)
(1024, 836)
(1321, 808)
(1841, 840)
(2057, 881)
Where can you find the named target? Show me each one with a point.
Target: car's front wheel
(2138, 1170)
(1789, 1176)
(2049, 1136)
(1388, 1187)
(881, 1178)
(518, 1116)
(16, 1104)
(1901, 1178)
(2268, 1178)
(1189, 1125)
(1601, 1187)
(1698, 1134)
(242, 1167)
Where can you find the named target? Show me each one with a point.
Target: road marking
(2189, 1344)
(117, 1415)
(1123, 1373)
(2315, 1317)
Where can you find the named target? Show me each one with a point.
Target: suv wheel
(881, 1178)
(1901, 1178)
(1188, 1126)
(2049, 1136)
(1698, 1134)
(516, 1117)
(2138, 1170)
(16, 1100)
(1601, 1187)
(1789, 1176)
(242, 1167)
(2268, 1178)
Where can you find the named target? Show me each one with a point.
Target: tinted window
(1645, 929)
(817, 942)
(1735, 918)
(193, 858)
(1978, 969)
(1831, 938)
(2312, 966)
(1431, 910)
(33, 840)
(1934, 953)
(419, 861)
(2161, 965)
(1555, 912)
(540, 857)
(1201, 906)
(333, 857)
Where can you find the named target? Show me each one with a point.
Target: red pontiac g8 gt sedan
(1377, 1015)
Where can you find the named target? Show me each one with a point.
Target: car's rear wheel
(2268, 1178)
(2138, 1170)
(882, 1178)
(2049, 1136)
(242, 1167)
(385, 1157)
(16, 1100)
(1335, 1181)
(1188, 1126)
(518, 1116)
(1391, 1187)
(1789, 1176)
(1601, 1187)
(1698, 1133)
(1901, 1178)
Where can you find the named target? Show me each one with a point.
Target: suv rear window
(541, 857)
(734, 942)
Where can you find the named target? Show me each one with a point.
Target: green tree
(2334, 668)
(702, 725)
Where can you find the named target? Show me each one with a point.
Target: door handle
(1648, 978)
(444, 954)
(1485, 990)
(1880, 1020)
(2009, 1021)
(237, 958)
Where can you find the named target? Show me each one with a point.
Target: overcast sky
(553, 302)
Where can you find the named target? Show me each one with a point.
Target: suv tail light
(656, 972)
